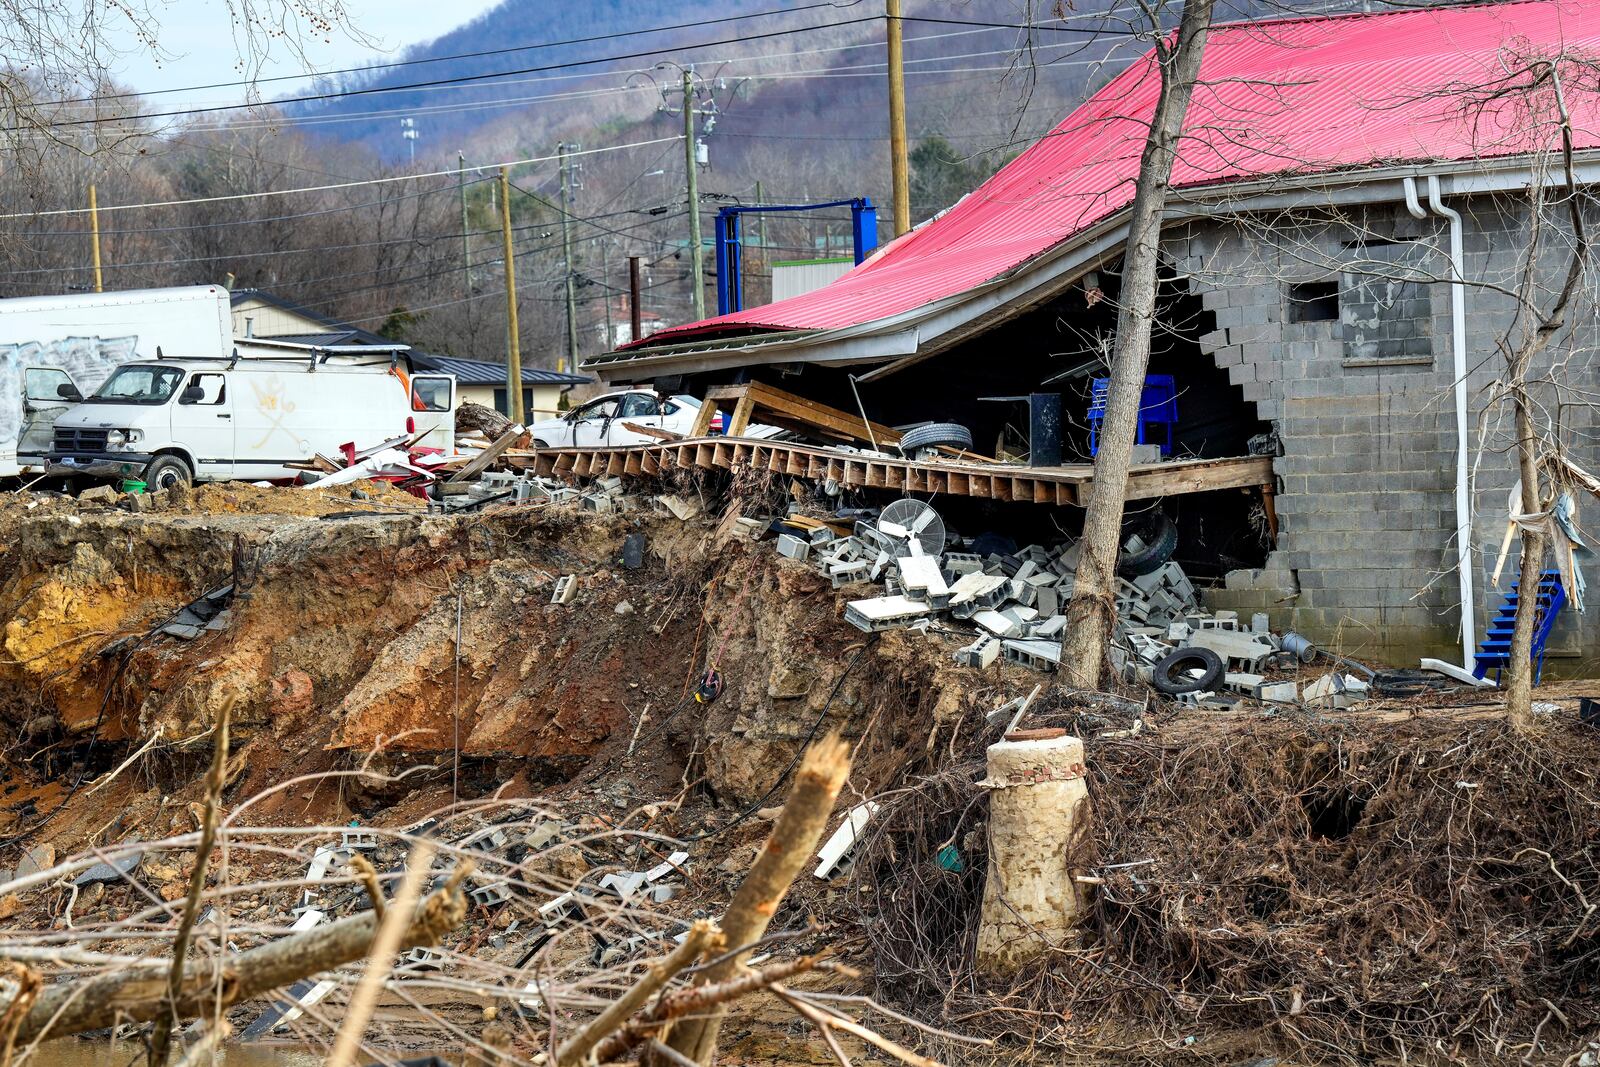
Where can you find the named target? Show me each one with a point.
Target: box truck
(183, 400)
(55, 347)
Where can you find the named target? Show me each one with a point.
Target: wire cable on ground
(799, 753)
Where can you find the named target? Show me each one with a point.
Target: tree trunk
(1519, 669)
(1091, 614)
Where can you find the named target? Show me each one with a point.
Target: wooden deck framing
(1068, 485)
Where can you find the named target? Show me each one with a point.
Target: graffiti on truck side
(88, 360)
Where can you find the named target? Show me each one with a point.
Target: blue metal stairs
(1495, 651)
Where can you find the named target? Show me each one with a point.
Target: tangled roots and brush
(1331, 890)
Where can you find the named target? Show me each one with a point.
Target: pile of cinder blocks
(1015, 601)
(605, 495)
(527, 488)
(1014, 604)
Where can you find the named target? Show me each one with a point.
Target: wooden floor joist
(1069, 485)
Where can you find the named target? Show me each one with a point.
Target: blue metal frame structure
(730, 241)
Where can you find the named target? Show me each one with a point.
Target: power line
(369, 68)
(328, 298)
(591, 93)
(464, 79)
(453, 172)
(421, 239)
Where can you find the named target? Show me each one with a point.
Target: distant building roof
(479, 372)
(348, 334)
(332, 337)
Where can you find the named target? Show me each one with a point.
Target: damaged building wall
(1338, 327)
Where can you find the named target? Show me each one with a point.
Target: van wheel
(165, 472)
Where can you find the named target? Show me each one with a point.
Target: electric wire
(454, 172)
(464, 79)
(371, 67)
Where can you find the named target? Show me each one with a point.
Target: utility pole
(94, 228)
(513, 339)
(899, 168)
(697, 288)
(635, 317)
(466, 237)
(761, 226)
(566, 254)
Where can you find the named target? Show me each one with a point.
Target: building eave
(900, 341)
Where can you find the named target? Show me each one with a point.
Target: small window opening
(1314, 301)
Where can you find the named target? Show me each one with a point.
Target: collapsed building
(1357, 205)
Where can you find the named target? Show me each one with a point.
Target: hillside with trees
(790, 110)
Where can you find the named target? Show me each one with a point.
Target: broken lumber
(481, 462)
(659, 433)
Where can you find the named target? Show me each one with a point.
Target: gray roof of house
(479, 372)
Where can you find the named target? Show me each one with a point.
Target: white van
(248, 415)
(55, 347)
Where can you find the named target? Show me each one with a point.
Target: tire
(1171, 676)
(934, 434)
(539, 442)
(166, 471)
(1160, 539)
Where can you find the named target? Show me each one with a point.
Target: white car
(600, 421)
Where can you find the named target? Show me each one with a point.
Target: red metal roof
(1277, 98)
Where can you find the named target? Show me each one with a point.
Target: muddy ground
(364, 634)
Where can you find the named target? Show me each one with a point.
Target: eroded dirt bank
(393, 638)
(1411, 881)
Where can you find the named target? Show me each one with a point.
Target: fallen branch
(702, 936)
(699, 999)
(380, 958)
(369, 878)
(161, 1035)
(793, 840)
(138, 993)
(826, 1020)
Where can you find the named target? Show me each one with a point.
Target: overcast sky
(196, 32)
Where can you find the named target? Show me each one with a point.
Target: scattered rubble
(1014, 604)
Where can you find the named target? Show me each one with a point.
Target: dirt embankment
(1281, 881)
(363, 626)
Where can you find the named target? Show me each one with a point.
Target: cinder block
(982, 652)
(1277, 692)
(1040, 655)
(884, 613)
(793, 547)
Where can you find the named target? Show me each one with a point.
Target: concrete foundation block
(1038, 809)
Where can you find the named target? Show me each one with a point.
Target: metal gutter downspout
(1458, 337)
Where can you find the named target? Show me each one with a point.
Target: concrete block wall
(1366, 557)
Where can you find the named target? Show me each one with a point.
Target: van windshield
(140, 385)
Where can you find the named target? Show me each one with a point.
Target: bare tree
(53, 82)
(1091, 614)
(1533, 90)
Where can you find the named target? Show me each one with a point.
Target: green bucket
(131, 485)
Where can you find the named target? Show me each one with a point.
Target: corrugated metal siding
(796, 279)
(1279, 98)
